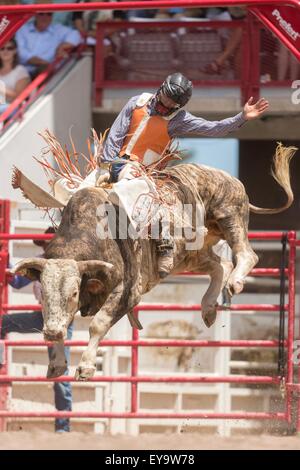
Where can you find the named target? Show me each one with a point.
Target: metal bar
(128, 415)
(41, 236)
(259, 272)
(134, 369)
(99, 64)
(25, 236)
(172, 25)
(197, 307)
(5, 227)
(170, 307)
(241, 379)
(265, 235)
(255, 272)
(159, 343)
(246, 67)
(156, 83)
(281, 351)
(144, 4)
(291, 322)
(254, 85)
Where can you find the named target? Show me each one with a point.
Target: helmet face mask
(161, 108)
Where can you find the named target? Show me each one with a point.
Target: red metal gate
(4, 228)
(290, 386)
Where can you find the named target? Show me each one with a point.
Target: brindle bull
(105, 278)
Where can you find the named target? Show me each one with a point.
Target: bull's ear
(94, 286)
(101, 272)
(30, 267)
(92, 267)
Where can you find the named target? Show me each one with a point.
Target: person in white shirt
(14, 77)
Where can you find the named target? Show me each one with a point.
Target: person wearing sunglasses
(41, 41)
(148, 123)
(14, 77)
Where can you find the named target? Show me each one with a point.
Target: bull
(106, 277)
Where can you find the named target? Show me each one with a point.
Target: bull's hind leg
(219, 271)
(244, 259)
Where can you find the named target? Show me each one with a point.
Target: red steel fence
(286, 379)
(240, 53)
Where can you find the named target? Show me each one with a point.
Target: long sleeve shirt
(43, 44)
(18, 282)
(183, 123)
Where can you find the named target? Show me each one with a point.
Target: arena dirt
(44, 440)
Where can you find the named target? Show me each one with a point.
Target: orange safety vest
(147, 136)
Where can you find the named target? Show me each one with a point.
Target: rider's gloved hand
(116, 167)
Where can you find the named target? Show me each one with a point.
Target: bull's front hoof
(209, 317)
(235, 286)
(84, 373)
(56, 371)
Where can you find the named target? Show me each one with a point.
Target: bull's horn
(92, 266)
(27, 266)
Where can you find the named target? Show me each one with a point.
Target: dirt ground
(87, 441)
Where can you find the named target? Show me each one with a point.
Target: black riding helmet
(178, 88)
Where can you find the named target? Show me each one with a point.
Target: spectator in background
(14, 77)
(62, 17)
(288, 65)
(142, 14)
(161, 14)
(232, 49)
(41, 41)
(32, 322)
(86, 21)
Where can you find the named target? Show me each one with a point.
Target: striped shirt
(183, 123)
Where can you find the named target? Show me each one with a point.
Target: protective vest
(147, 136)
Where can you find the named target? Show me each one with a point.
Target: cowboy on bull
(146, 125)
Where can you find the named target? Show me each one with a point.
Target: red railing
(134, 378)
(137, 60)
(4, 227)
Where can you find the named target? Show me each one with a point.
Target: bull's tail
(281, 173)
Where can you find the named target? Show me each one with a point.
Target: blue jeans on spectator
(32, 322)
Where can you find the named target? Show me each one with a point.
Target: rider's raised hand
(252, 111)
